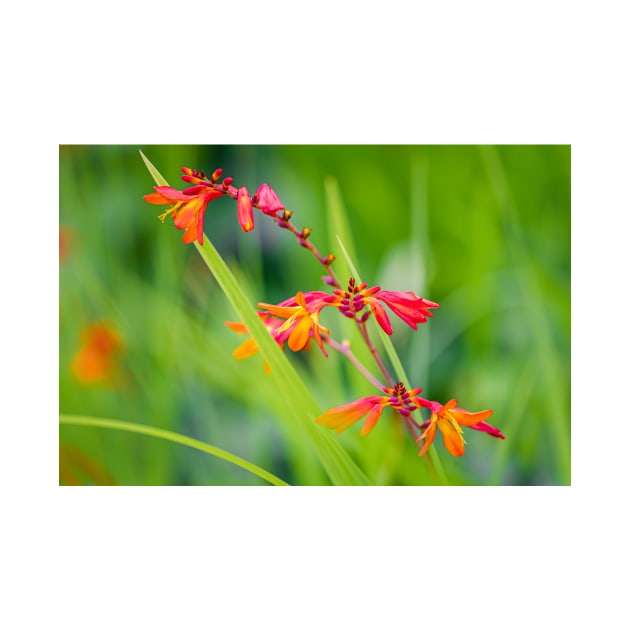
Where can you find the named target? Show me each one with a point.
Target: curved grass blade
(171, 436)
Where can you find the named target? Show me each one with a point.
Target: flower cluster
(296, 320)
(447, 418)
(189, 205)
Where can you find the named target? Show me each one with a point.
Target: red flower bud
(244, 207)
(267, 200)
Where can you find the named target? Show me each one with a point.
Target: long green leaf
(341, 469)
(132, 427)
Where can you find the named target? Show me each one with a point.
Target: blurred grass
(483, 231)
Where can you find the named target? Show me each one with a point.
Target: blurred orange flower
(95, 361)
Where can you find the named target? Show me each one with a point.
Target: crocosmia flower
(449, 419)
(398, 397)
(95, 362)
(302, 318)
(267, 200)
(189, 207)
(412, 309)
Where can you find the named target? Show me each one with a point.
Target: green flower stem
(132, 427)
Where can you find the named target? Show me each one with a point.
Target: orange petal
(190, 234)
(372, 419)
(157, 199)
(279, 311)
(342, 417)
(247, 349)
(453, 440)
(237, 327)
(429, 436)
(468, 419)
(300, 299)
(316, 329)
(299, 335)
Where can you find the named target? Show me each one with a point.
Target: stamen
(169, 211)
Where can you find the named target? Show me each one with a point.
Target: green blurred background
(482, 230)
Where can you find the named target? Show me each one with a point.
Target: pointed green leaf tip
(157, 176)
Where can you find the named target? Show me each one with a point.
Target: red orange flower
(302, 318)
(449, 419)
(189, 205)
(398, 397)
(188, 209)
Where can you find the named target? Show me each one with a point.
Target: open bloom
(398, 397)
(189, 207)
(302, 318)
(449, 419)
(412, 309)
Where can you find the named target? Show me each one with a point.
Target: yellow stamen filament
(170, 211)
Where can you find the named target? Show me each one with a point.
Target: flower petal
(489, 429)
(372, 419)
(453, 440)
(157, 199)
(268, 201)
(340, 418)
(237, 327)
(429, 436)
(381, 317)
(469, 419)
(247, 349)
(300, 334)
(411, 308)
